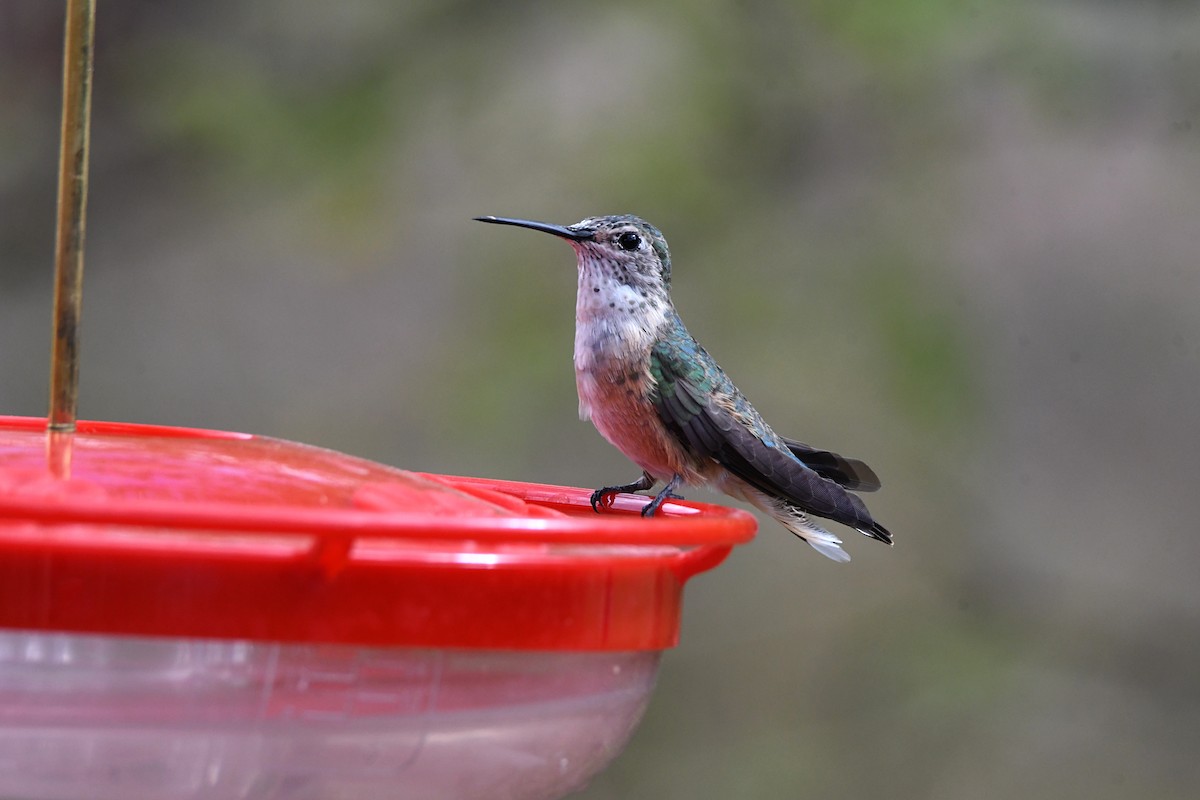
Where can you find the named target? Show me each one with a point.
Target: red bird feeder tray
(192, 613)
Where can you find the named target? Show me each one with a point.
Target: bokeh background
(955, 238)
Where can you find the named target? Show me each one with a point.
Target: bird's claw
(603, 498)
(650, 508)
(606, 496)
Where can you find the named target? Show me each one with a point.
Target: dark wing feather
(848, 472)
(701, 407)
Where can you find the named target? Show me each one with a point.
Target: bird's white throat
(614, 321)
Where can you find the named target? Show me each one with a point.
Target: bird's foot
(668, 493)
(604, 497)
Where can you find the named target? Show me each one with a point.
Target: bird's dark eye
(629, 241)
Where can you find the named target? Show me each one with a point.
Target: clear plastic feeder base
(122, 718)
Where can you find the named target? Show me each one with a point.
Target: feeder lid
(164, 531)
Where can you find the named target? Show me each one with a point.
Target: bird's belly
(618, 404)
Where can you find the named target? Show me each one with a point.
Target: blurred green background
(957, 239)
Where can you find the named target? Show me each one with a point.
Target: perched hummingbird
(660, 398)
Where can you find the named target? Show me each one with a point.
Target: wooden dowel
(72, 211)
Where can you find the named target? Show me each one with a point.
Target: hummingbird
(655, 394)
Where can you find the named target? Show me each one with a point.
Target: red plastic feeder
(188, 613)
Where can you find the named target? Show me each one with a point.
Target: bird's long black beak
(574, 234)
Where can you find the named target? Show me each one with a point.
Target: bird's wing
(701, 407)
(849, 473)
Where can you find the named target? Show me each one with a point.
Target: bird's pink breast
(619, 405)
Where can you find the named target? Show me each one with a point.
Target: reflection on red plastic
(150, 530)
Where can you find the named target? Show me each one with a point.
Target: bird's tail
(803, 526)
